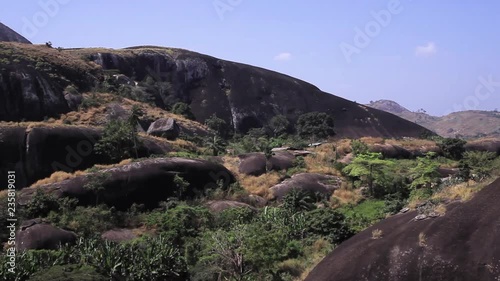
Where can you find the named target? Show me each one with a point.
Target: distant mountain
(9, 35)
(466, 124)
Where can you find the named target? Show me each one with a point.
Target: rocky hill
(38, 82)
(9, 35)
(460, 245)
(466, 124)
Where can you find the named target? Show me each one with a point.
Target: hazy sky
(441, 56)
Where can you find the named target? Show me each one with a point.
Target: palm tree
(216, 144)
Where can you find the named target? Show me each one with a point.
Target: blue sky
(441, 56)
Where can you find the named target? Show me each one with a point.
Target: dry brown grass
(343, 147)
(315, 253)
(123, 162)
(345, 196)
(97, 115)
(422, 239)
(322, 160)
(57, 177)
(255, 185)
(377, 234)
(372, 140)
(412, 143)
(440, 209)
(3, 193)
(34, 53)
(260, 185)
(462, 192)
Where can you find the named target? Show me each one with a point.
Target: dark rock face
(37, 153)
(246, 96)
(73, 100)
(461, 245)
(166, 128)
(26, 94)
(60, 149)
(255, 163)
(308, 182)
(9, 35)
(36, 235)
(13, 153)
(147, 182)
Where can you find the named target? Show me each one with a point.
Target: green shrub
(452, 148)
(119, 141)
(180, 222)
(234, 216)
(218, 125)
(183, 109)
(328, 223)
(315, 125)
(358, 147)
(279, 125)
(364, 214)
(41, 205)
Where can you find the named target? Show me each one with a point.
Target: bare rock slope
(461, 245)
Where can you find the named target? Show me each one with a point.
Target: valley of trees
(182, 239)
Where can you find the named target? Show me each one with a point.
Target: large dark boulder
(391, 151)
(462, 245)
(255, 163)
(50, 149)
(147, 182)
(307, 182)
(489, 145)
(165, 127)
(36, 235)
(218, 206)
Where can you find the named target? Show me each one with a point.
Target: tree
(278, 125)
(218, 125)
(370, 167)
(425, 173)
(477, 164)
(181, 186)
(216, 144)
(452, 148)
(183, 109)
(315, 125)
(119, 141)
